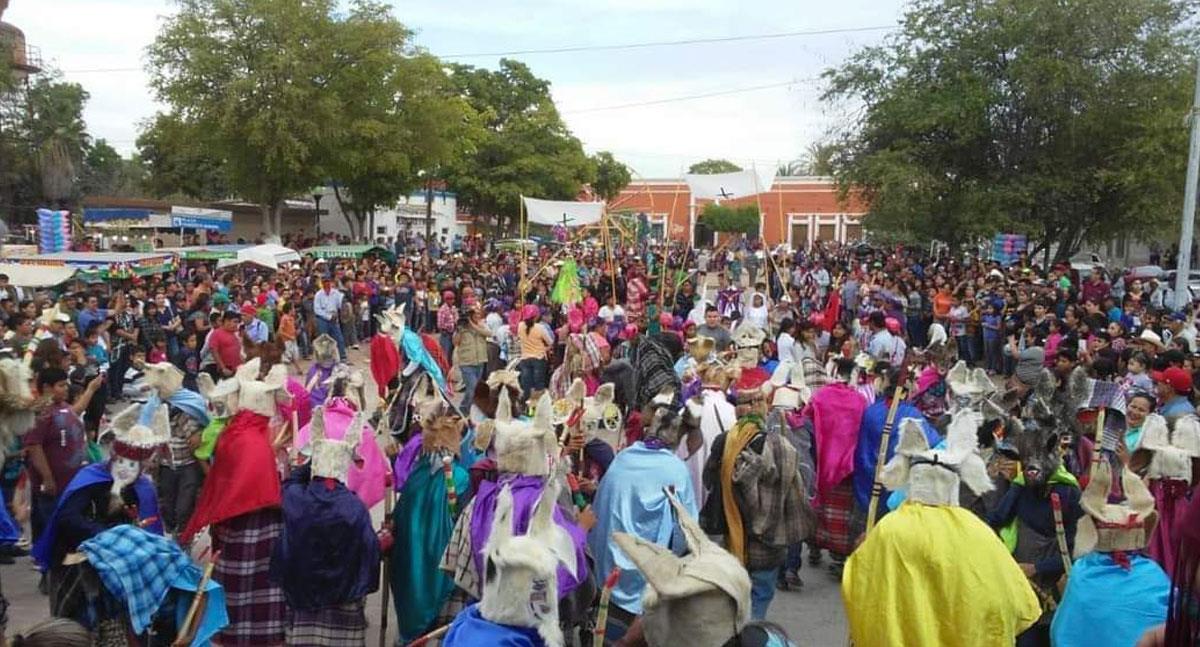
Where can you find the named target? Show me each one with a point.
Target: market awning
(349, 251)
(198, 218)
(104, 265)
(269, 255)
(205, 252)
(29, 276)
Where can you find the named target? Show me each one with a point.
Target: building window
(854, 232)
(381, 230)
(799, 235)
(827, 231)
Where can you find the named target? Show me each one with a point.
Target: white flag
(552, 212)
(725, 186)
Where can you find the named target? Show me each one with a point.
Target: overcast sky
(754, 127)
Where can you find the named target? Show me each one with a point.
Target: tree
(743, 220)
(251, 78)
(178, 162)
(401, 116)
(712, 167)
(611, 176)
(1057, 119)
(524, 148)
(56, 129)
(106, 172)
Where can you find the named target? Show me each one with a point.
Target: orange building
(796, 211)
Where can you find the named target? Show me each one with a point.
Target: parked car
(1193, 281)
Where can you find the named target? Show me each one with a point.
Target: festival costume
(632, 499)
(836, 412)
(240, 502)
(368, 474)
(327, 557)
(318, 379)
(1112, 584)
(1170, 479)
(714, 415)
(178, 480)
(423, 522)
(516, 607)
(932, 573)
(701, 599)
(385, 355)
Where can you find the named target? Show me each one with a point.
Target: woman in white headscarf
(757, 312)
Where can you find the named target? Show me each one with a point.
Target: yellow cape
(935, 575)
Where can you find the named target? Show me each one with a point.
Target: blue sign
(197, 222)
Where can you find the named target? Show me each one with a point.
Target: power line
(673, 43)
(597, 48)
(691, 97)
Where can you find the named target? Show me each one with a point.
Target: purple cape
(526, 490)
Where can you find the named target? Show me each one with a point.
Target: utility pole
(1184, 266)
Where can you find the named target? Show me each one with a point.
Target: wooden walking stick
(601, 627)
(431, 636)
(877, 486)
(1060, 532)
(187, 631)
(386, 589)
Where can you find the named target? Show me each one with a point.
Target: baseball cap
(1178, 316)
(1178, 379)
(248, 310)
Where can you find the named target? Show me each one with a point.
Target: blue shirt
(256, 330)
(1177, 406)
(89, 317)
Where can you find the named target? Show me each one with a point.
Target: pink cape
(836, 411)
(1171, 502)
(299, 403)
(369, 479)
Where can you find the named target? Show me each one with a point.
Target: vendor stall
(103, 266)
(350, 251)
(33, 276)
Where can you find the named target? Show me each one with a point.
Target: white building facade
(407, 215)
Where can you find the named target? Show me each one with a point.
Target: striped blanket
(256, 606)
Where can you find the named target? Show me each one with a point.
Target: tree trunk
(266, 218)
(279, 206)
(346, 209)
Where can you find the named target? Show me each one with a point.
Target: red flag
(833, 310)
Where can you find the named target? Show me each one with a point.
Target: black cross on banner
(565, 220)
(724, 194)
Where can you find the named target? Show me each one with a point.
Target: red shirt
(227, 346)
(59, 432)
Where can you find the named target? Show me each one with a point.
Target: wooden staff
(877, 486)
(451, 493)
(386, 593)
(187, 632)
(1060, 532)
(433, 635)
(601, 627)
(606, 237)
(1096, 455)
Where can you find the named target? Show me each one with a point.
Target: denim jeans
(333, 329)
(533, 375)
(762, 591)
(471, 375)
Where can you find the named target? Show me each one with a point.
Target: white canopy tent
(269, 256)
(553, 212)
(37, 276)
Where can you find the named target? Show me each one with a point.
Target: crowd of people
(636, 442)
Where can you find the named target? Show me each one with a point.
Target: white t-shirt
(608, 314)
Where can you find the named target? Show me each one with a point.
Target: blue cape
(1107, 606)
(88, 476)
(414, 351)
(470, 629)
(186, 400)
(630, 499)
(328, 553)
(870, 433)
(9, 530)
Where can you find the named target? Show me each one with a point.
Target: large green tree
(524, 147)
(713, 166)
(179, 162)
(57, 131)
(1057, 118)
(251, 79)
(401, 116)
(611, 176)
(106, 172)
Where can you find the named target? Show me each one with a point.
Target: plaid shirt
(457, 560)
(447, 317)
(177, 453)
(137, 567)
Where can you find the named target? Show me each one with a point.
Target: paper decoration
(54, 231)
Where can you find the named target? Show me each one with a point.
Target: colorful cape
(147, 498)
(836, 411)
(385, 362)
(422, 527)
(328, 553)
(631, 499)
(870, 433)
(526, 490)
(417, 350)
(243, 477)
(317, 376)
(935, 575)
(1106, 605)
(470, 629)
(299, 402)
(367, 479)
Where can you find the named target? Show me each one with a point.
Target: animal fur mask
(969, 387)
(701, 599)
(135, 442)
(332, 458)
(165, 378)
(520, 579)
(665, 421)
(932, 476)
(602, 418)
(245, 391)
(349, 383)
(524, 447)
(1171, 453)
(787, 387)
(325, 351)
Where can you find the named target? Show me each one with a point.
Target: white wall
(410, 212)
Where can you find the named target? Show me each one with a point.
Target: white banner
(727, 186)
(552, 212)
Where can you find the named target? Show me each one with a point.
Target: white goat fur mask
(969, 387)
(524, 447)
(520, 583)
(134, 442)
(932, 476)
(332, 458)
(164, 377)
(701, 599)
(1173, 451)
(244, 391)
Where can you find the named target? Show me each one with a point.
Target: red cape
(243, 477)
(385, 362)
